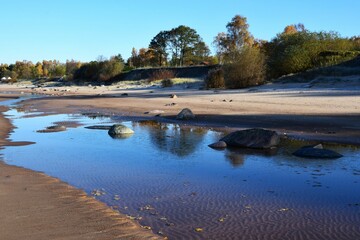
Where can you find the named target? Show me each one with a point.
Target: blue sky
(84, 29)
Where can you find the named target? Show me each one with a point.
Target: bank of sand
(36, 206)
(323, 112)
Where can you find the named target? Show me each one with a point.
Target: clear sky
(84, 29)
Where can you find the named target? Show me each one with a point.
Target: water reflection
(237, 156)
(178, 140)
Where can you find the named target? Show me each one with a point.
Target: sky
(83, 30)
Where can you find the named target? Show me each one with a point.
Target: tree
(242, 57)
(181, 45)
(294, 28)
(38, 70)
(71, 67)
(158, 46)
(182, 41)
(293, 52)
(230, 44)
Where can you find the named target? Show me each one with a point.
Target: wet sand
(36, 206)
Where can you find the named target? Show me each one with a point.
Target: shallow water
(167, 178)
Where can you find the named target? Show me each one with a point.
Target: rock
(252, 138)
(315, 152)
(119, 130)
(219, 144)
(185, 114)
(319, 146)
(51, 129)
(124, 94)
(173, 96)
(99, 127)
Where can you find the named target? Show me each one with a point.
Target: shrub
(301, 51)
(248, 69)
(215, 79)
(167, 83)
(161, 74)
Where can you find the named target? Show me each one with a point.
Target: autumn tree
(231, 43)
(242, 57)
(38, 70)
(294, 28)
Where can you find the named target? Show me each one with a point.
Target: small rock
(219, 144)
(124, 94)
(173, 96)
(185, 114)
(119, 130)
(311, 152)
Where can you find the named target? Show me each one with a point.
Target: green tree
(297, 51)
(179, 46)
(159, 46)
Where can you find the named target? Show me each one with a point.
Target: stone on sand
(185, 114)
(252, 138)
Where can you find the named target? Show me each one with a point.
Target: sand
(324, 112)
(36, 206)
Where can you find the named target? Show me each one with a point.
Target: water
(167, 178)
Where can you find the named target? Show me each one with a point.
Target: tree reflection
(178, 140)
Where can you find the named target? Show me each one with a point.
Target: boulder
(218, 145)
(315, 152)
(252, 138)
(119, 130)
(185, 114)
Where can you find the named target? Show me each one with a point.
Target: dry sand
(36, 206)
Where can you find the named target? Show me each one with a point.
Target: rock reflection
(237, 156)
(235, 159)
(178, 140)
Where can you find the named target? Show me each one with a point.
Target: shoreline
(37, 206)
(317, 114)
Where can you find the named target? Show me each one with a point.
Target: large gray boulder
(119, 130)
(185, 114)
(315, 152)
(252, 138)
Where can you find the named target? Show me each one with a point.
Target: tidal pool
(166, 177)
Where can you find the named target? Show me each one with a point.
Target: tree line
(244, 60)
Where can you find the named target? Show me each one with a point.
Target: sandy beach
(324, 112)
(37, 202)
(36, 206)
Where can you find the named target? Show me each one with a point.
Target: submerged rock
(56, 128)
(218, 145)
(185, 114)
(315, 152)
(99, 127)
(120, 131)
(252, 138)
